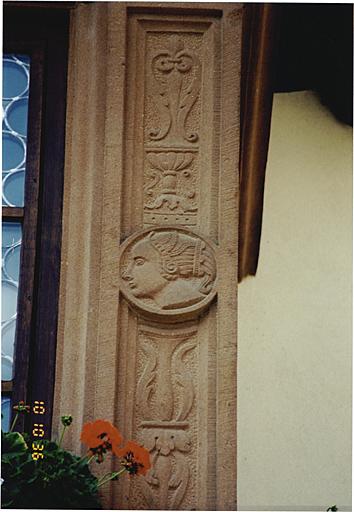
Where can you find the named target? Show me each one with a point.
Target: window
(34, 90)
(16, 73)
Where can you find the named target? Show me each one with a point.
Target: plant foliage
(60, 480)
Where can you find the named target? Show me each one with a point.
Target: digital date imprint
(38, 431)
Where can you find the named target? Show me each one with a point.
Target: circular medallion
(168, 273)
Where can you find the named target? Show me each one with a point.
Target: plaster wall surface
(295, 337)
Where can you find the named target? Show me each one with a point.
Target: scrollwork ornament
(165, 399)
(166, 483)
(177, 74)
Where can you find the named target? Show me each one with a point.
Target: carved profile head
(170, 268)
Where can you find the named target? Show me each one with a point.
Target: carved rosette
(168, 273)
(165, 416)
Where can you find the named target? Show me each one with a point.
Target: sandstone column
(147, 334)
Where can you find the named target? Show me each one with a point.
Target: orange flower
(136, 458)
(100, 434)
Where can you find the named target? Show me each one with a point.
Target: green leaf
(13, 444)
(59, 480)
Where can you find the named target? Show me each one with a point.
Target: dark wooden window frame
(42, 34)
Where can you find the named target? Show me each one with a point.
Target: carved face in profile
(144, 271)
(172, 269)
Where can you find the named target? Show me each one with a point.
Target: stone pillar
(147, 332)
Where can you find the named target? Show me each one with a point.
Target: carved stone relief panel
(162, 139)
(173, 76)
(165, 417)
(174, 167)
(172, 134)
(168, 273)
(170, 186)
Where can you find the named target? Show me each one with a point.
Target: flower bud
(67, 420)
(21, 407)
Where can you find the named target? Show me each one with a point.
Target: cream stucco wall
(295, 341)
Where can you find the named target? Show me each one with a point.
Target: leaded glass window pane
(6, 413)
(11, 247)
(14, 127)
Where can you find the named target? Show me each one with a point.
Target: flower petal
(136, 458)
